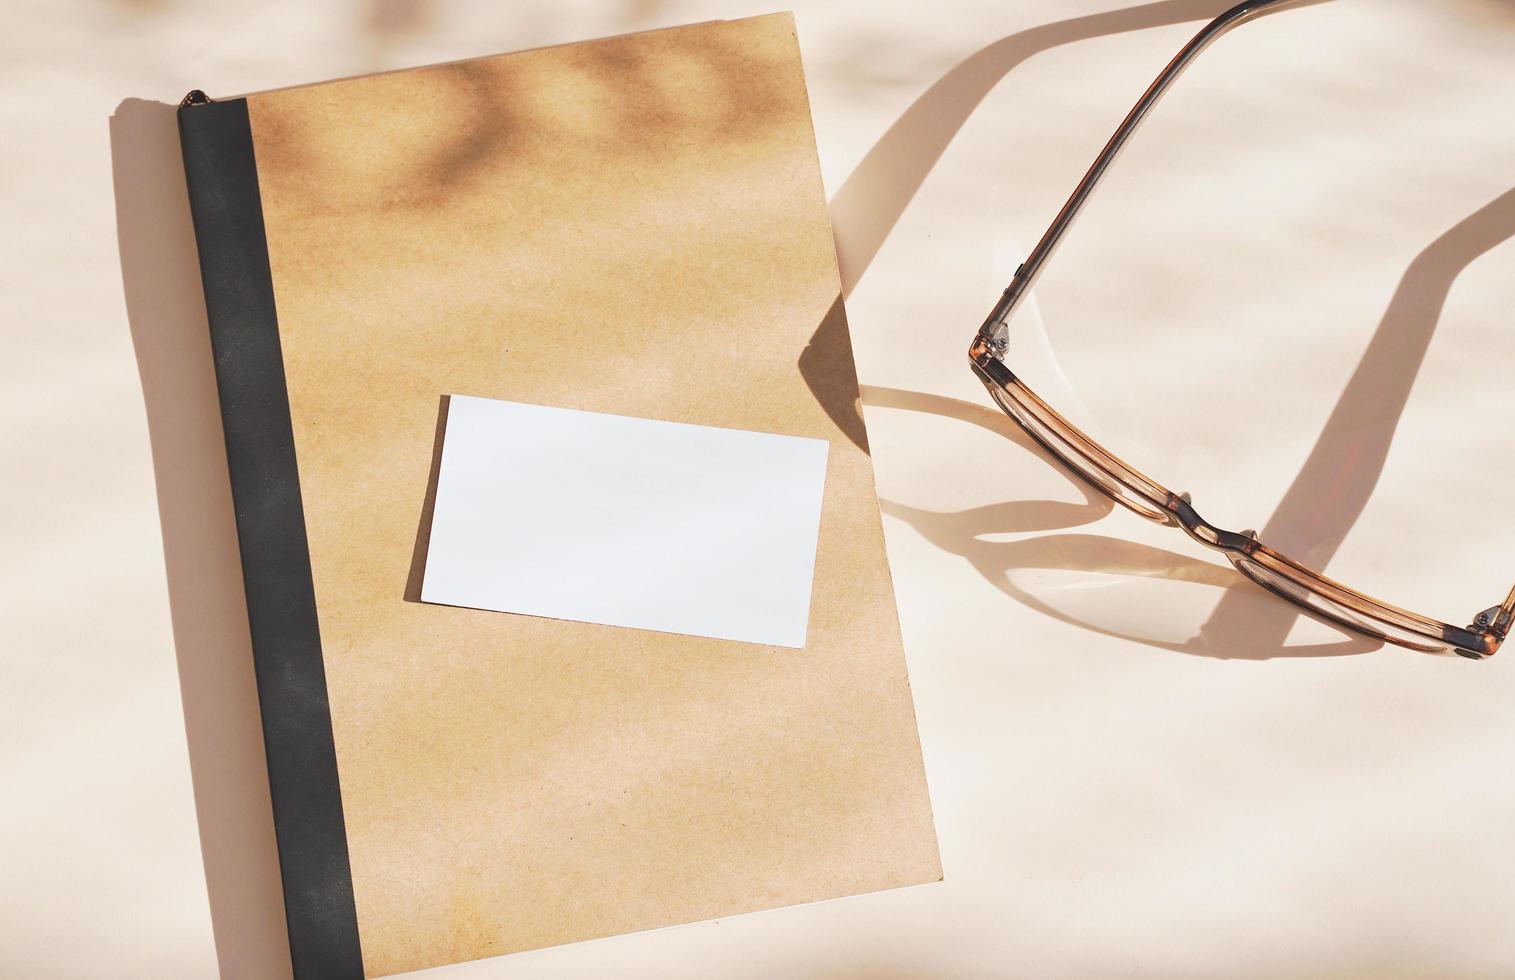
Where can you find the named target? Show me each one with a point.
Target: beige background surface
(1303, 264)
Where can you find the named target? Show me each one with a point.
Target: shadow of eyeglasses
(967, 533)
(1331, 490)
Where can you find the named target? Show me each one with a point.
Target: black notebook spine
(221, 173)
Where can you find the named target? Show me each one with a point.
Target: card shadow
(428, 505)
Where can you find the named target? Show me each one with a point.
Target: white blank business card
(625, 521)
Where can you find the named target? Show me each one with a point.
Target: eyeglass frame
(1129, 487)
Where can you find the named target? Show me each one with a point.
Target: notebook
(633, 226)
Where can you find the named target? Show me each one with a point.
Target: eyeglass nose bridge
(1181, 506)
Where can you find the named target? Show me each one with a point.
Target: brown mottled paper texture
(635, 226)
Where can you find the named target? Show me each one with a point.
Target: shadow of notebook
(632, 226)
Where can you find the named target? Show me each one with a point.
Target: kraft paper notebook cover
(632, 226)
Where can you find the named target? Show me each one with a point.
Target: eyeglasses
(1086, 458)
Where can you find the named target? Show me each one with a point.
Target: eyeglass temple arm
(1026, 275)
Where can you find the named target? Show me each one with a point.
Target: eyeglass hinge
(999, 338)
(1488, 619)
(996, 332)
